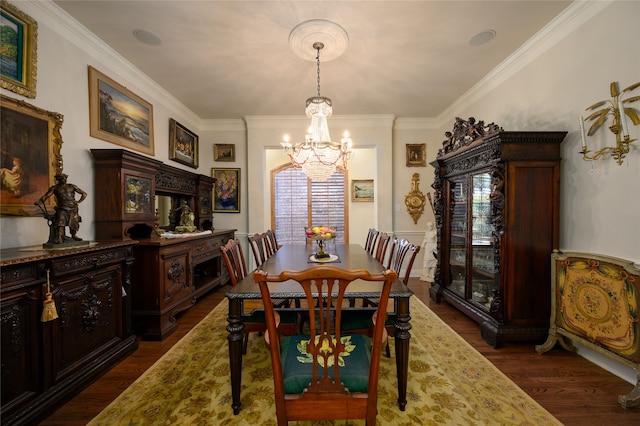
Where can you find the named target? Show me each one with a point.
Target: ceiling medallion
(333, 37)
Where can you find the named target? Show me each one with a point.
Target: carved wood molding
(464, 132)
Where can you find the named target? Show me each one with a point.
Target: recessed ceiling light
(147, 37)
(482, 37)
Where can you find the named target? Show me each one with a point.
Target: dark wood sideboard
(170, 275)
(46, 363)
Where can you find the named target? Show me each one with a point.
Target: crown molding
(53, 16)
(570, 19)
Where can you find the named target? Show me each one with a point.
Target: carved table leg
(402, 337)
(235, 338)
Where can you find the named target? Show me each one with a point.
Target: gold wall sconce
(619, 108)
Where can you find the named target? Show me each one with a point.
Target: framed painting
(226, 190)
(224, 152)
(119, 116)
(183, 144)
(362, 190)
(18, 50)
(30, 143)
(416, 155)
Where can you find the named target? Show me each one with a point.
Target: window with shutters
(298, 202)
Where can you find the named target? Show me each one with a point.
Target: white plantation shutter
(298, 202)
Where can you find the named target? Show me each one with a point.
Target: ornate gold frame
(178, 133)
(100, 117)
(416, 155)
(224, 152)
(34, 132)
(358, 187)
(26, 85)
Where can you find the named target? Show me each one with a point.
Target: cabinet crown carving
(464, 132)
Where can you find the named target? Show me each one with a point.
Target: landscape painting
(118, 115)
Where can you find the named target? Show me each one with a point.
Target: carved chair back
(323, 375)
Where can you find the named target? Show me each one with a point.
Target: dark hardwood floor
(574, 390)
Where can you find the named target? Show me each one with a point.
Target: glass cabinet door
(482, 251)
(458, 232)
(138, 195)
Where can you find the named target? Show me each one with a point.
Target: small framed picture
(183, 144)
(19, 51)
(224, 152)
(362, 190)
(416, 155)
(226, 190)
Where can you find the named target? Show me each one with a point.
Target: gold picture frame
(226, 190)
(31, 146)
(19, 53)
(224, 152)
(118, 115)
(362, 190)
(183, 144)
(416, 154)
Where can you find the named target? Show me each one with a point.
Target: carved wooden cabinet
(46, 363)
(170, 274)
(497, 217)
(138, 196)
(128, 186)
(125, 187)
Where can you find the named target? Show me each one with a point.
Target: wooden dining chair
(359, 321)
(323, 375)
(401, 248)
(370, 243)
(381, 249)
(261, 247)
(236, 265)
(273, 241)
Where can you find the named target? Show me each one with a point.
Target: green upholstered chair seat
(287, 316)
(354, 363)
(357, 319)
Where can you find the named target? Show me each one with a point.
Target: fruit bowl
(320, 234)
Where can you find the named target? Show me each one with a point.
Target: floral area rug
(450, 383)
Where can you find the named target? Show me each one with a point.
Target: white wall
(544, 86)
(600, 201)
(372, 132)
(65, 50)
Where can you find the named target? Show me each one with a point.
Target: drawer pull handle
(200, 248)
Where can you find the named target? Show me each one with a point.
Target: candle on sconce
(583, 135)
(623, 119)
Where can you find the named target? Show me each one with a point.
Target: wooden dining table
(299, 257)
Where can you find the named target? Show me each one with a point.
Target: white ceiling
(229, 59)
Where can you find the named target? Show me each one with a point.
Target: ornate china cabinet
(497, 217)
(139, 196)
(46, 363)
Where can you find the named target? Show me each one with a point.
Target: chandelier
(318, 156)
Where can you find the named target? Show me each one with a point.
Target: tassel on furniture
(49, 312)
